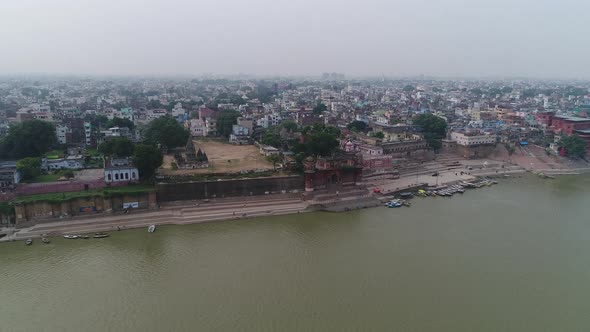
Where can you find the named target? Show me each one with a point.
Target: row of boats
(45, 239)
(96, 236)
(395, 203)
(455, 188)
(442, 191)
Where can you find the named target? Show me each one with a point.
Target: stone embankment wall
(168, 192)
(36, 211)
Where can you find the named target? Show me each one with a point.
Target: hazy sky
(536, 38)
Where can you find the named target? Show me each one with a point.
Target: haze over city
(449, 38)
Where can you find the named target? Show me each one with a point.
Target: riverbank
(179, 213)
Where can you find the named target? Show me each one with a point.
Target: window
(133, 175)
(110, 177)
(126, 176)
(117, 176)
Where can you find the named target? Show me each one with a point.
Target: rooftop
(572, 118)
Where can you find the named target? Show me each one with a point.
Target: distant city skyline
(446, 39)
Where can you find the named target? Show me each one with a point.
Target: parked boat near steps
(29, 242)
(100, 235)
(71, 236)
(151, 228)
(45, 240)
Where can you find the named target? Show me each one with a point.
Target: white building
(120, 170)
(197, 127)
(471, 140)
(70, 162)
(178, 110)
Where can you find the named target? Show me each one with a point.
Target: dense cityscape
(328, 137)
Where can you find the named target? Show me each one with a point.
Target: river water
(512, 257)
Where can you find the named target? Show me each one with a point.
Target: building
(105, 135)
(267, 150)
(9, 176)
(119, 170)
(61, 132)
(69, 162)
(344, 169)
(470, 145)
(472, 139)
(155, 113)
(197, 127)
(568, 124)
(239, 135)
(126, 113)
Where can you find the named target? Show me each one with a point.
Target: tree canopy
(28, 139)
(574, 146)
(319, 140)
(117, 146)
(147, 158)
(225, 122)
(320, 108)
(29, 167)
(358, 126)
(433, 128)
(167, 132)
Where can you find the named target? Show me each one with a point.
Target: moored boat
(29, 242)
(151, 228)
(100, 235)
(71, 236)
(45, 240)
(85, 237)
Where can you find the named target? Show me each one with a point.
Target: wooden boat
(85, 237)
(100, 235)
(45, 240)
(151, 228)
(29, 242)
(71, 236)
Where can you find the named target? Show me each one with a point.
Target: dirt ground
(223, 157)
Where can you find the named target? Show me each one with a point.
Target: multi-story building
(61, 131)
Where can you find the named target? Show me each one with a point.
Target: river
(512, 257)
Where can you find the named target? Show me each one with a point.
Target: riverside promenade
(171, 214)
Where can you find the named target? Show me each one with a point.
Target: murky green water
(514, 257)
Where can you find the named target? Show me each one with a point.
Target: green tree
(271, 138)
(274, 159)
(120, 122)
(358, 126)
(147, 158)
(28, 139)
(319, 140)
(225, 122)
(409, 88)
(433, 128)
(320, 108)
(289, 125)
(117, 146)
(378, 134)
(167, 132)
(29, 167)
(574, 146)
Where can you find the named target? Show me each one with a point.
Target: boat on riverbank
(45, 240)
(71, 237)
(29, 242)
(100, 235)
(151, 228)
(394, 203)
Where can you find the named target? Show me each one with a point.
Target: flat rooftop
(572, 118)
